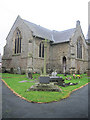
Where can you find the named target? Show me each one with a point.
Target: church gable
(77, 33)
(19, 24)
(16, 24)
(78, 43)
(18, 38)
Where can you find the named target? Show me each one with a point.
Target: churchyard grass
(13, 80)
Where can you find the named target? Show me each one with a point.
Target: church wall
(59, 51)
(79, 64)
(38, 62)
(20, 59)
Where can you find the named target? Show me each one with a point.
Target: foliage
(13, 80)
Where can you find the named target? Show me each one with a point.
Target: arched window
(41, 50)
(64, 64)
(64, 60)
(79, 49)
(17, 41)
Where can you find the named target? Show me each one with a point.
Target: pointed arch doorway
(64, 64)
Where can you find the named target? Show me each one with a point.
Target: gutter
(60, 42)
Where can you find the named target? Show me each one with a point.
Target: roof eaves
(41, 37)
(60, 42)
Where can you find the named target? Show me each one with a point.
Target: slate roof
(39, 31)
(56, 36)
(63, 36)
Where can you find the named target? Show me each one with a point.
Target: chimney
(77, 23)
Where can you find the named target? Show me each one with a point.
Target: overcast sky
(52, 14)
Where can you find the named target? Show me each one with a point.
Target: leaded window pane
(79, 49)
(40, 50)
(43, 51)
(17, 42)
(15, 46)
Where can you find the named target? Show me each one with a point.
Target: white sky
(52, 14)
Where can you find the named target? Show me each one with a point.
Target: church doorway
(64, 64)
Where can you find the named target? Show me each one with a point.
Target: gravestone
(29, 75)
(18, 70)
(44, 80)
(58, 80)
(54, 74)
(54, 78)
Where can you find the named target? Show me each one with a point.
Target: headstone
(44, 80)
(30, 75)
(18, 70)
(54, 74)
(57, 79)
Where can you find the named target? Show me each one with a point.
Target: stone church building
(67, 51)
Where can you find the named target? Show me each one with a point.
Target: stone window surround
(79, 55)
(41, 50)
(17, 46)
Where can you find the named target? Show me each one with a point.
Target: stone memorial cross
(45, 53)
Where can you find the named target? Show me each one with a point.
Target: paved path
(76, 106)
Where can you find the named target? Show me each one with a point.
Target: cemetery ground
(20, 83)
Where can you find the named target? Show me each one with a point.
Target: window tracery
(17, 48)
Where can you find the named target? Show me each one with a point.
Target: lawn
(13, 81)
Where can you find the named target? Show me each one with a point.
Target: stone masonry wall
(20, 59)
(57, 54)
(79, 64)
(38, 62)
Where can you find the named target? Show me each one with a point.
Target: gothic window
(79, 49)
(17, 44)
(64, 64)
(41, 50)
